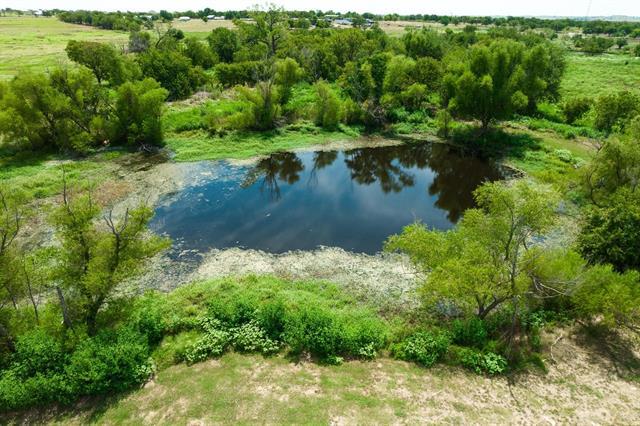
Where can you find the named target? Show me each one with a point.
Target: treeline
(126, 21)
(613, 28)
(363, 77)
(120, 21)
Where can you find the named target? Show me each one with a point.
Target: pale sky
(440, 7)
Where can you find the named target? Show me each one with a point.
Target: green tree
(594, 45)
(424, 42)
(613, 110)
(287, 74)
(270, 28)
(357, 81)
(96, 257)
(199, 53)
(173, 71)
(138, 113)
(543, 67)
(139, 41)
(489, 85)
(327, 107)
(101, 58)
(428, 71)
(610, 297)
(621, 42)
(224, 43)
(615, 166)
(66, 111)
(263, 109)
(611, 234)
(484, 262)
(399, 75)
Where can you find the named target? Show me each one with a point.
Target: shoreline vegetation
(527, 309)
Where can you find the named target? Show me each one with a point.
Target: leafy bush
(469, 332)
(263, 109)
(111, 361)
(327, 106)
(173, 71)
(551, 112)
(482, 362)
(37, 352)
(612, 110)
(229, 75)
(212, 344)
(313, 329)
(575, 108)
(423, 347)
(42, 373)
(352, 112)
(250, 337)
(138, 113)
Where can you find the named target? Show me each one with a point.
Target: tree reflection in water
(283, 166)
(455, 175)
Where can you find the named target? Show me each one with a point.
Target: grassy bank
(38, 176)
(200, 146)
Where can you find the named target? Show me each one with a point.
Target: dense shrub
(612, 110)
(224, 43)
(173, 71)
(199, 53)
(257, 319)
(327, 106)
(611, 234)
(423, 347)
(575, 108)
(263, 108)
(37, 352)
(109, 362)
(229, 75)
(212, 344)
(482, 362)
(138, 113)
(313, 329)
(469, 332)
(43, 373)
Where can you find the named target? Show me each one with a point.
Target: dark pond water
(351, 199)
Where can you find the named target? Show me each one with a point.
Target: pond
(351, 199)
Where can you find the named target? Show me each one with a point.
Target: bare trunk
(7, 337)
(65, 310)
(31, 297)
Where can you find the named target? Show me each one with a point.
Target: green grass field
(596, 75)
(35, 44)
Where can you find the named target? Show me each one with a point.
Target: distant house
(184, 19)
(343, 21)
(219, 18)
(38, 13)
